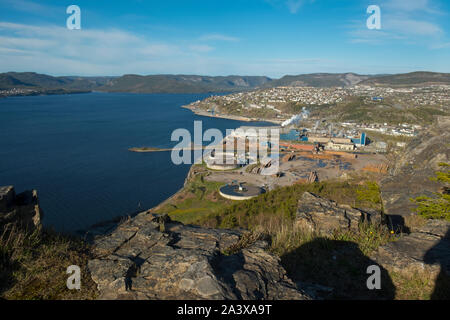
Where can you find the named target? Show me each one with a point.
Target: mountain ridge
(180, 83)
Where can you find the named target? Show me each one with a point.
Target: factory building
(296, 135)
(339, 146)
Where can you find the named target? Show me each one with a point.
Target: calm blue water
(73, 150)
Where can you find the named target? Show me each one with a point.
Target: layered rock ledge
(425, 250)
(325, 216)
(151, 257)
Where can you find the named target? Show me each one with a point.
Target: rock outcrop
(151, 257)
(410, 177)
(20, 209)
(325, 216)
(425, 250)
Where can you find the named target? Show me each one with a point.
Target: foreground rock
(425, 250)
(325, 216)
(151, 257)
(20, 210)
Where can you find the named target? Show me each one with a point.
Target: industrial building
(333, 142)
(339, 146)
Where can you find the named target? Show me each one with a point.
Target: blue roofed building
(361, 140)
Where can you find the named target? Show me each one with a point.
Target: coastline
(189, 176)
(104, 227)
(46, 92)
(231, 117)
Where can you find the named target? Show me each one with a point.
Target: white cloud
(440, 45)
(32, 7)
(408, 21)
(57, 50)
(201, 48)
(294, 5)
(218, 37)
(410, 6)
(408, 26)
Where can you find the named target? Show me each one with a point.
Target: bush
(439, 206)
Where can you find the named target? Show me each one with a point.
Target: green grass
(282, 203)
(33, 265)
(338, 260)
(416, 286)
(199, 198)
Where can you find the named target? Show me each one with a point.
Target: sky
(217, 37)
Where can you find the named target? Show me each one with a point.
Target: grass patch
(33, 266)
(416, 286)
(282, 203)
(199, 198)
(338, 261)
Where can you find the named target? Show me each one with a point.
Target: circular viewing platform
(240, 192)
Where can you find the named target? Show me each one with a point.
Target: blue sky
(217, 37)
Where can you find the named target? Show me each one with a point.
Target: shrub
(439, 206)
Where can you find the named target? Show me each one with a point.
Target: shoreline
(105, 227)
(231, 117)
(49, 92)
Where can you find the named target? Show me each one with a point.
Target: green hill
(409, 79)
(205, 84)
(183, 84)
(320, 80)
(32, 80)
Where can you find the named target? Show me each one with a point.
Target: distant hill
(320, 80)
(205, 84)
(183, 83)
(8, 81)
(32, 80)
(133, 83)
(409, 79)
